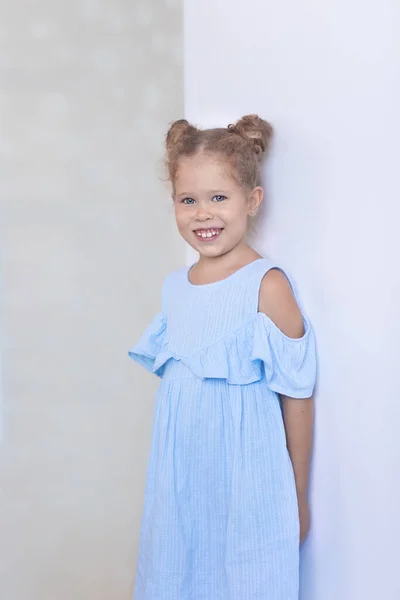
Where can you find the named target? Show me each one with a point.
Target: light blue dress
(220, 520)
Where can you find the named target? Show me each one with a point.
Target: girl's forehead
(201, 170)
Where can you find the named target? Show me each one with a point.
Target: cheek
(237, 217)
(182, 217)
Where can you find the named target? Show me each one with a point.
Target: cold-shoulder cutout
(278, 301)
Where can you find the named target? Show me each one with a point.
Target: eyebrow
(220, 191)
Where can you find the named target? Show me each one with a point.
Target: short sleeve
(150, 351)
(290, 364)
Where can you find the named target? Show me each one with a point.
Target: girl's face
(211, 209)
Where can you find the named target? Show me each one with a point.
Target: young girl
(226, 493)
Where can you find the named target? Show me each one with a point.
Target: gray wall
(87, 234)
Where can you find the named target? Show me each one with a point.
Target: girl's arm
(277, 301)
(298, 416)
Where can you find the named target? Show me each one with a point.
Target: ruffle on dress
(245, 356)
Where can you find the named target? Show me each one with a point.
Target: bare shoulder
(279, 304)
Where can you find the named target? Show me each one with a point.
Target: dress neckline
(219, 281)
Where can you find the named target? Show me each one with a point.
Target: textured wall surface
(87, 233)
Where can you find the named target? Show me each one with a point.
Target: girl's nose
(203, 214)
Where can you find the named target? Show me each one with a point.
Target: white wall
(327, 74)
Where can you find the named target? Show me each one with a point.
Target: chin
(212, 252)
(206, 251)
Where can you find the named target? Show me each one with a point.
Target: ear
(255, 200)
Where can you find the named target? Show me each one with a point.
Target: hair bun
(178, 132)
(256, 131)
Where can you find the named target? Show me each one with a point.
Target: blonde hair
(243, 145)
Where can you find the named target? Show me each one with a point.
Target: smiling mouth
(207, 235)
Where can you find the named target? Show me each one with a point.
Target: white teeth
(208, 234)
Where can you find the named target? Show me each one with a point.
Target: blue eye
(219, 198)
(189, 201)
